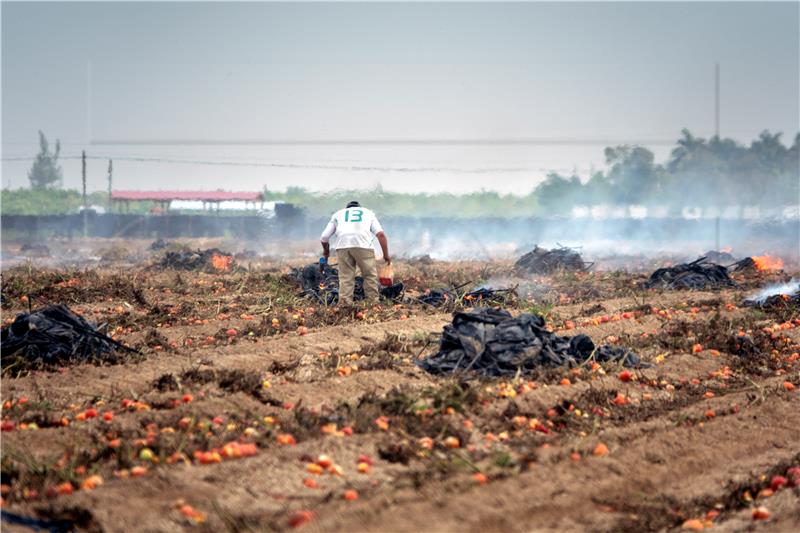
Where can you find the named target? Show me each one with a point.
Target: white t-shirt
(354, 227)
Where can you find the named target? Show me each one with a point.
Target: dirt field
(251, 409)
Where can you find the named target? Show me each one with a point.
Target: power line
(604, 141)
(354, 168)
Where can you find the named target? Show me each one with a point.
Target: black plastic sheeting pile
(323, 285)
(191, 260)
(482, 296)
(492, 343)
(55, 335)
(745, 265)
(543, 261)
(37, 524)
(696, 275)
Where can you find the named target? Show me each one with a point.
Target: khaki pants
(364, 259)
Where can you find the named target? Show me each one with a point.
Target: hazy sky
(134, 74)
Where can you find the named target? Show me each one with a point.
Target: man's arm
(377, 230)
(330, 229)
(384, 246)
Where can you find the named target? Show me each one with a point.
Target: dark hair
(353, 203)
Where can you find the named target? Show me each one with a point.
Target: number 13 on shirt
(356, 215)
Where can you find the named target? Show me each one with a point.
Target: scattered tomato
(619, 399)
(382, 422)
(426, 443)
(299, 518)
(452, 442)
(146, 454)
(778, 482)
(600, 450)
(286, 439)
(693, 524)
(92, 482)
(314, 468)
(64, 488)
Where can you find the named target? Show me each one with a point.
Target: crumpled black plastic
(483, 296)
(543, 261)
(37, 524)
(323, 285)
(492, 343)
(54, 334)
(696, 275)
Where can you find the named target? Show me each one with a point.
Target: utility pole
(85, 203)
(716, 100)
(110, 169)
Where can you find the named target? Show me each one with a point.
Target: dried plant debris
(212, 260)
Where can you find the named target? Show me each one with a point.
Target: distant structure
(210, 199)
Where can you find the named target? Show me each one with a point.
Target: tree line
(699, 172)
(702, 173)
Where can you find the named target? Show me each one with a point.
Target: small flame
(221, 263)
(726, 249)
(765, 262)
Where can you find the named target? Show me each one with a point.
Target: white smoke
(788, 288)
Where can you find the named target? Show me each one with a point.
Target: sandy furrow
(86, 381)
(693, 462)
